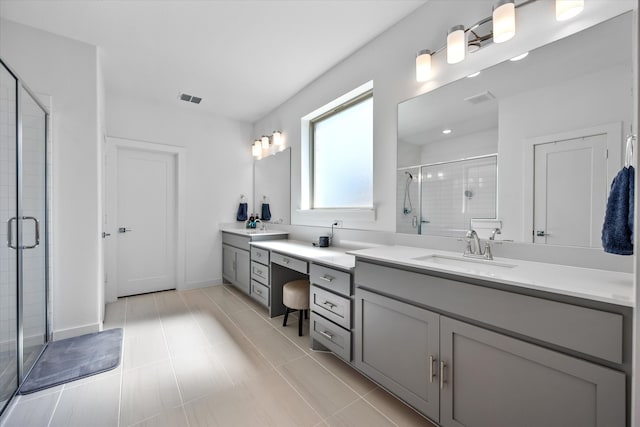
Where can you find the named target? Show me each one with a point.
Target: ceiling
(242, 57)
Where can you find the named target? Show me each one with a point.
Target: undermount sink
(469, 263)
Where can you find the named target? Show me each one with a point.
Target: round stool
(295, 296)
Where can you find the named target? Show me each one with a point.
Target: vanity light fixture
(567, 9)
(504, 20)
(519, 57)
(277, 138)
(456, 44)
(423, 65)
(256, 148)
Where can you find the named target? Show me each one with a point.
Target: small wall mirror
(272, 185)
(548, 130)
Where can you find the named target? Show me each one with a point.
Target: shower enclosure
(24, 315)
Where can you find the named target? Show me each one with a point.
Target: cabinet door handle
(443, 366)
(432, 373)
(326, 335)
(327, 278)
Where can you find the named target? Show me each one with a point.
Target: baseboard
(202, 284)
(74, 332)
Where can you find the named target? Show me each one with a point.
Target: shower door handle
(37, 231)
(10, 233)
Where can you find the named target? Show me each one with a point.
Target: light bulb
(277, 137)
(423, 65)
(456, 44)
(256, 148)
(265, 142)
(504, 21)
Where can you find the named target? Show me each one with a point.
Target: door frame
(110, 176)
(613, 132)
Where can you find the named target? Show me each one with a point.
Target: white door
(570, 191)
(144, 222)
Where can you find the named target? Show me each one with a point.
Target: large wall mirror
(272, 185)
(532, 144)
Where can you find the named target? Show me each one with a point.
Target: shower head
(408, 173)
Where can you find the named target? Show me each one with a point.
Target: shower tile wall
(454, 193)
(405, 222)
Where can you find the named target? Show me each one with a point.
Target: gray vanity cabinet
(429, 341)
(489, 379)
(397, 345)
(235, 267)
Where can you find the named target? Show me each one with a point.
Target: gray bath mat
(74, 358)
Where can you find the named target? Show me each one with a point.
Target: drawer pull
(286, 260)
(258, 272)
(443, 366)
(327, 278)
(257, 291)
(329, 304)
(258, 255)
(326, 335)
(432, 374)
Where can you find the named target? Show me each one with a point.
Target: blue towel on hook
(617, 231)
(242, 212)
(266, 212)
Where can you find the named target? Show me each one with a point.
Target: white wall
(389, 61)
(67, 71)
(219, 168)
(477, 144)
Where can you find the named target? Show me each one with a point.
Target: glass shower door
(8, 256)
(32, 209)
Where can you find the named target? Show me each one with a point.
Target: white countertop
(254, 232)
(598, 285)
(332, 256)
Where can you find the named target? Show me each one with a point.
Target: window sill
(323, 216)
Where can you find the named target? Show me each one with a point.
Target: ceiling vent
(189, 98)
(480, 97)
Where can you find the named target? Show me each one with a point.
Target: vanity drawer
(331, 336)
(289, 262)
(260, 255)
(337, 281)
(260, 293)
(236, 241)
(331, 306)
(259, 272)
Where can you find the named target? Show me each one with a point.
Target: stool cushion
(295, 294)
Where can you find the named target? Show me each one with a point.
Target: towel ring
(628, 157)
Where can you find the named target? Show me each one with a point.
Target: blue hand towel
(242, 212)
(266, 212)
(617, 231)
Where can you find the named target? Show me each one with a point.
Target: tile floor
(212, 357)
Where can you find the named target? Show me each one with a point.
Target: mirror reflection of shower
(407, 206)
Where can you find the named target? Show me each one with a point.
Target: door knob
(105, 234)
(123, 229)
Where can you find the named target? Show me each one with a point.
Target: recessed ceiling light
(477, 73)
(519, 57)
(446, 131)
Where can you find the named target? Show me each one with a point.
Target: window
(341, 155)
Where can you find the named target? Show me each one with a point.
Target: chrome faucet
(476, 250)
